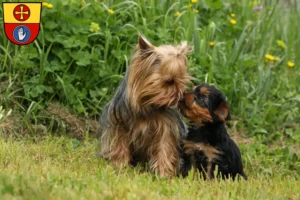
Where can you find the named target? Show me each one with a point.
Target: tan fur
(204, 91)
(116, 148)
(164, 63)
(157, 79)
(222, 111)
(194, 112)
(210, 152)
(156, 140)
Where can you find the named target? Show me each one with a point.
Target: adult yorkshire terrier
(141, 123)
(208, 144)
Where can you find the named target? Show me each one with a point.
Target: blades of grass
(166, 18)
(237, 49)
(107, 42)
(7, 56)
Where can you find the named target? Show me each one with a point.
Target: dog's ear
(228, 116)
(222, 112)
(185, 48)
(144, 44)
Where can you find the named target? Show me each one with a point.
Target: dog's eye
(157, 62)
(170, 82)
(203, 99)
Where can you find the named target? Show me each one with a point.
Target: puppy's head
(205, 104)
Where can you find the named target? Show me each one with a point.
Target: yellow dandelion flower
(50, 5)
(194, 1)
(269, 57)
(177, 13)
(291, 64)
(277, 58)
(254, 3)
(280, 43)
(232, 15)
(111, 11)
(196, 11)
(190, 5)
(45, 4)
(211, 44)
(232, 21)
(94, 27)
(82, 3)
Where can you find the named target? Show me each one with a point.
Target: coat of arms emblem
(22, 21)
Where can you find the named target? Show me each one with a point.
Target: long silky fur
(141, 124)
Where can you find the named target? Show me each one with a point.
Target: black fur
(213, 135)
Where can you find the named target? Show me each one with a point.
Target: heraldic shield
(22, 21)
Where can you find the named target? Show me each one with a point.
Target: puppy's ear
(222, 112)
(228, 117)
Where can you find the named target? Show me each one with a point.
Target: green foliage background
(82, 52)
(78, 60)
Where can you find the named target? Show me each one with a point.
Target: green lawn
(61, 168)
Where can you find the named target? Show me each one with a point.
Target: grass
(60, 168)
(56, 88)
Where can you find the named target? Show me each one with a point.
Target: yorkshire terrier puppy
(208, 144)
(141, 124)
